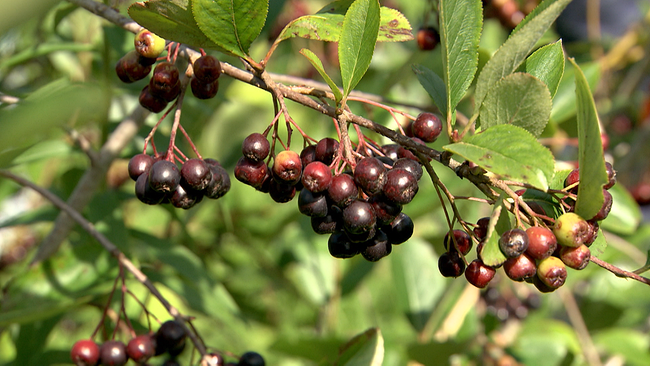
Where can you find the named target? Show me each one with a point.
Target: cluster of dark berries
(160, 181)
(169, 339)
(361, 209)
(537, 255)
(165, 85)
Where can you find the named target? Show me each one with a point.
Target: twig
(619, 272)
(111, 248)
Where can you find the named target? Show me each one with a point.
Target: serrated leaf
(460, 31)
(231, 24)
(433, 84)
(357, 42)
(393, 26)
(417, 282)
(509, 152)
(593, 175)
(547, 64)
(172, 20)
(499, 223)
(514, 51)
(518, 99)
(318, 65)
(365, 349)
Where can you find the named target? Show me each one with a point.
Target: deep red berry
(316, 177)
(513, 243)
(130, 69)
(370, 175)
(479, 274)
(326, 149)
(463, 242)
(359, 217)
(164, 79)
(541, 242)
(113, 353)
(427, 38)
(139, 164)
(520, 268)
(203, 90)
(255, 147)
(85, 353)
(251, 172)
(207, 68)
(195, 174)
(481, 228)
(342, 191)
(151, 102)
(427, 127)
(401, 186)
(141, 348)
(409, 165)
(575, 257)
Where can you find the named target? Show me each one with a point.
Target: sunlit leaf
(365, 349)
(499, 223)
(547, 64)
(318, 65)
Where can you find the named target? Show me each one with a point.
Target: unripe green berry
(571, 230)
(148, 44)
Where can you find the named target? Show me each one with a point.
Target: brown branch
(111, 248)
(619, 272)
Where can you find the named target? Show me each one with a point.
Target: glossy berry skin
(113, 353)
(251, 358)
(330, 223)
(552, 272)
(326, 149)
(606, 208)
(427, 38)
(312, 204)
(287, 167)
(85, 352)
(409, 165)
(139, 164)
(169, 337)
(130, 69)
(148, 44)
(141, 348)
(611, 174)
(203, 90)
(571, 179)
(391, 151)
(255, 147)
(151, 102)
(359, 217)
(401, 186)
(316, 177)
(370, 175)
(541, 242)
(165, 76)
(451, 264)
(571, 230)
(427, 127)
(182, 198)
(479, 274)
(463, 242)
(385, 210)
(342, 191)
(481, 228)
(219, 182)
(400, 230)
(251, 172)
(215, 359)
(513, 243)
(308, 155)
(576, 258)
(340, 246)
(376, 248)
(195, 174)
(207, 68)
(281, 192)
(145, 193)
(164, 176)
(520, 268)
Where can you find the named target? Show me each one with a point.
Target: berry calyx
(148, 44)
(85, 352)
(552, 272)
(255, 147)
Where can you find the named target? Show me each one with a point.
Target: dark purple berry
(182, 198)
(342, 191)
(391, 151)
(513, 243)
(385, 210)
(427, 127)
(141, 348)
(129, 68)
(316, 177)
(207, 68)
(359, 217)
(427, 38)
(451, 264)
(312, 204)
(164, 176)
(195, 174)
(151, 102)
(139, 164)
(377, 248)
(250, 172)
(370, 176)
(203, 90)
(251, 358)
(145, 193)
(409, 165)
(164, 79)
(255, 147)
(401, 186)
(170, 337)
(219, 182)
(113, 353)
(326, 149)
(281, 192)
(340, 246)
(330, 223)
(308, 155)
(400, 230)
(481, 228)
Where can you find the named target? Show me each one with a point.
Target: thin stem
(106, 307)
(619, 272)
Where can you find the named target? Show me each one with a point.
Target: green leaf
(318, 65)
(547, 64)
(231, 24)
(514, 51)
(625, 216)
(593, 175)
(172, 20)
(357, 42)
(417, 282)
(544, 201)
(509, 152)
(365, 349)
(629, 344)
(460, 32)
(433, 84)
(564, 102)
(518, 99)
(558, 179)
(599, 245)
(393, 26)
(499, 223)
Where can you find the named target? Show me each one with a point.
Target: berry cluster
(360, 209)
(169, 339)
(538, 255)
(165, 85)
(158, 180)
